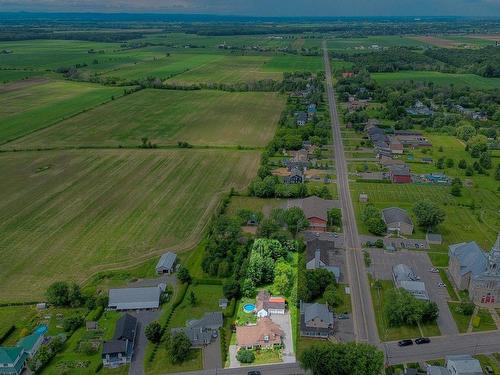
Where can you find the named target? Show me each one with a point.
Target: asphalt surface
(143, 318)
(365, 329)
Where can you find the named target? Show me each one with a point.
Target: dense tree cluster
(405, 309)
(428, 214)
(372, 218)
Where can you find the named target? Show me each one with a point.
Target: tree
(440, 163)
(192, 298)
(376, 226)
(485, 160)
(58, 294)
(462, 164)
(332, 297)
(179, 347)
(283, 278)
(183, 275)
(456, 190)
(231, 289)
(76, 299)
(72, 323)
(335, 217)
(248, 288)
(477, 144)
(466, 132)
(428, 214)
(295, 220)
(497, 172)
(450, 163)
(245, 356)
(153, 332)
(430, 312)
(342, 359)
(467, 308)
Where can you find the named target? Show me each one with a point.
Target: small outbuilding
(166, 264)
(434, 239)
(363, 198)
(223, 303)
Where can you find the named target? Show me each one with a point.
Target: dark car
(254, 373)
(422, 340)
(405, 342)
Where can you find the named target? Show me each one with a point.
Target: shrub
(245, 356)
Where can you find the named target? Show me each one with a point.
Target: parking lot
(398, 243)
(419, 262)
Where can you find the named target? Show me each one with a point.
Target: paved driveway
(420, 263)
(143, 319)
(212, 356)
(284, 321)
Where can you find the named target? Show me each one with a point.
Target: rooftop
(395, 215)
(470, 256)
(316, 310)
(167, 260)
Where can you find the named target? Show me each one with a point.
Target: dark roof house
(316, 320)
(119, 351)
(202, 331)
(397, 220)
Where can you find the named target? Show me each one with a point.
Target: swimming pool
(41, 329)
(249, 308)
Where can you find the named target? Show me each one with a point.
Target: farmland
(438, 78)
(360, 44)
(27, 106)
(69, 214)
(214, 118)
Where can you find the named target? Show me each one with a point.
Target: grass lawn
(207, 297)
(88, 211)
(487, 323)
(488, 361)
(449, 285)
(386, 332)
(243, 318)
(438, 78)
(29, 105)
(264, 205)
(123, 370)
(18, 316)
(202, 117)
(438, 259)
(162, 363)
(264, 356)
(73, 359)
(16, 75)
(461, 319)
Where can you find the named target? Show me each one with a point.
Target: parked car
(433, 270)
(422, 340)
(442, 285)
(407, 342)
(254, 373)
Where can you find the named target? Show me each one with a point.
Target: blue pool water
(249, 307)
(41, 329)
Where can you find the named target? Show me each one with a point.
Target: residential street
(365, 328)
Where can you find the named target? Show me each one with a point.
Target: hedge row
(7, 333)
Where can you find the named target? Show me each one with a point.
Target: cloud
(268, 7)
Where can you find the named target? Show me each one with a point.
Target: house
(434, 238)
(474, 270)
(296, 177)
(134, 298)
(119, 351)
(202, 331)
(41, 306)
(12, 360)
(301, 118)
(405, 278)
(347, 74)
(269, 305)
(397, 220)
(318, 253)
(264, 334)
(311, 111)
(223, 303)
(419, 109)
(396, 146)
(363, 198)
(463, 365)
(31, 343)
(437, 370)
(411, 138)
(316, 320)
(166, 263)
(315, 209)
(400, 174)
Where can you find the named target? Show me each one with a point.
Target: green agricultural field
(231, 69)
(363, 44)
(202, 117)
(52, 54)
(29, 105)
(438, 78)
(8, 75)
(67, 215)
(292, 63)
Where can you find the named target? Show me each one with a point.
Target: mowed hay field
(200, 117)
(29, 105)
(438, 78)
(65, 215)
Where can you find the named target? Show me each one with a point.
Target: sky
(274, 8)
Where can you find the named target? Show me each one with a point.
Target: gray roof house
(166, 263)
(134, 298)
(120, 350)
(437, 370)
(202, 331)
(316, 320)
(318, 255)
(301, 118)
(466, 261)
(397, 220)
(405, 278)
(463, 365)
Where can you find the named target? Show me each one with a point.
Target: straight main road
(365, 328)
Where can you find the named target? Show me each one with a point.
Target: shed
(134, 298)
(223, 303)
(434, 238)
(166, 263)
(91, 325)
(363, 198)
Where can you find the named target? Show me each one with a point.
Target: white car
(442, 285)
(433, 270)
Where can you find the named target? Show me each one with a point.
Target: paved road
(471, 343)
(143, 318)
(278, 369)
(365, 328)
